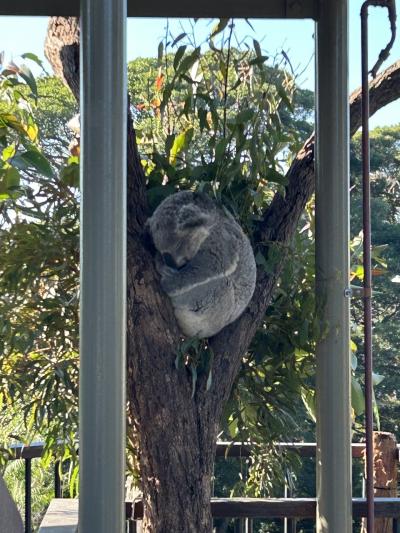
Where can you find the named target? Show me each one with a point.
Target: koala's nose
(169, 261)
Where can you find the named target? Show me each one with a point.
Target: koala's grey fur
(205, 260)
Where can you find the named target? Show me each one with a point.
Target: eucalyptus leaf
(308, 397)
(179, 144)
(193, 371)
(160, 53)
(37, 160)
(32, 57)
(222, 24)
(8, 152)
(28, 77)
(257, 47)
(178, 38)
(377, 379)
(187, 63)
(357, 397)
(179, 55)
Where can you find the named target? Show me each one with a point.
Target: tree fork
(177, 429)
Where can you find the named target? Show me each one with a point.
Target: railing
(27, 453)
(242, 509)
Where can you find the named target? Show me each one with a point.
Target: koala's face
(180, 225)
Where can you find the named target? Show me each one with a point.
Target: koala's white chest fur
(206, 263)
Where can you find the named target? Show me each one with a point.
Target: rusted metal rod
(390, 5)
(367, 272)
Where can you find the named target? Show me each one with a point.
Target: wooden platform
(61, 517)
(62, 514)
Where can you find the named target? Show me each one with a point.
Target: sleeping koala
(205, 260)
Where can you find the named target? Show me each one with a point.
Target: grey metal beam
(332, 271)
(103, 266)
(175, 8)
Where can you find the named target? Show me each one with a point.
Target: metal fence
(243, 510)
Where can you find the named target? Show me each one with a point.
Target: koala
(205, 260)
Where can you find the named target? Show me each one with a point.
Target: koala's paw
(168, 278)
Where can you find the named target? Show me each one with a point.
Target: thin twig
(228, 59)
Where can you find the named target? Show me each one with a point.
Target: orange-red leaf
(160, 81)
(156, 102)
(378, 271)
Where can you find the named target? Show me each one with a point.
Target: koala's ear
(190, 216)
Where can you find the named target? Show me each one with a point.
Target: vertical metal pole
(28, 495)
(369, 417)
(332, 271)
(57, 479)
(103, 266)
(239, 526)
(289, 524)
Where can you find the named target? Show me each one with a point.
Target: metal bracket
(358, 292)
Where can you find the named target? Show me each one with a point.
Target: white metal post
(103, 266)
(332, 271)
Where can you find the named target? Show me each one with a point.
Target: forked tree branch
(146, 301)
(279, 225)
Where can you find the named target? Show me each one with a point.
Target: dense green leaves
(39, 256)
(385, 175)
(213, 117)
(21, 149)
(205, 119)
(216, 122)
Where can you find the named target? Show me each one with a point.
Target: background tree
(39, 238)
(385, 222)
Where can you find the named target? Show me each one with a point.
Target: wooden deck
(61, 517)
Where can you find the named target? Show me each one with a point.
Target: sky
(296, 37)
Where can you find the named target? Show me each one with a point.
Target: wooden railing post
(385, 476)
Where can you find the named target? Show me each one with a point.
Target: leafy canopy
(218, 116)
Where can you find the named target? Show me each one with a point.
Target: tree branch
(279, 226)
(383, 90)
(61, 48)
(62, 51)
(153, 335)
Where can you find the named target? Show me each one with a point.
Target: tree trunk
(176, 473)
(175, 421)
(175, 424)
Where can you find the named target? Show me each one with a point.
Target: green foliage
(39, 267)
(216, 116)
(385, 206)
(42, 487)
(225, 122)
(220, 120)
(197, 356)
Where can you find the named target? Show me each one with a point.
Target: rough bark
(384, 89)
(385, 476)
(177, 430)
(61, 48)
